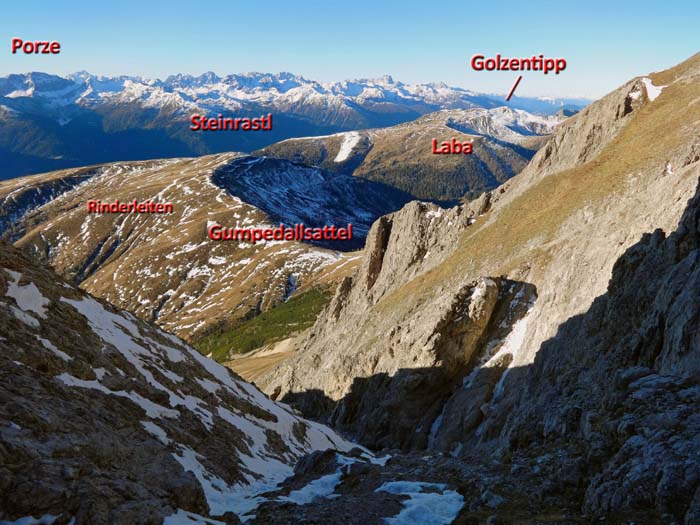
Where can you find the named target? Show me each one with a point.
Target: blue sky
(604, 43)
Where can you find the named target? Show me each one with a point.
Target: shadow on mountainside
(610, 407)
(293, 193)
(405, 409)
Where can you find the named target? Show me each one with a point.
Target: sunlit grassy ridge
(519, 232)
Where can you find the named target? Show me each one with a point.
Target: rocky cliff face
(617, 388)
(484, 337)
(106, 419)
(385, 393)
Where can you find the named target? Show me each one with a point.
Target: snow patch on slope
(183, 517)
(322, 487)
(427, 503)
(652, 90)
(152, 409)
(46, 519)
(50, 346)
(27, 297)
(350, 140)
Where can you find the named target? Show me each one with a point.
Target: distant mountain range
(50, 122)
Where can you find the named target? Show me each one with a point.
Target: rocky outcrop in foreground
(106, 419)
(606, 423)
(538, 338)
(617, 390)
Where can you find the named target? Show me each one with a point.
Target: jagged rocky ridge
(596, 395)
(392, 395)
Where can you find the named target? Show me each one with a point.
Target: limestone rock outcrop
(584, 370)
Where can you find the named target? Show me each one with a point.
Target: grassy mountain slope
(401, 156)
(164, 268)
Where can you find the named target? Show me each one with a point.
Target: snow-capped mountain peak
(274, 89)
(47, 113)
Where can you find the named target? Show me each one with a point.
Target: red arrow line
(512, 90)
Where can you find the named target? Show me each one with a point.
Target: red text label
(453, 147)
(533, 63)
(35, 47)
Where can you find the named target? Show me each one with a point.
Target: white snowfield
(437, 505)
(183, 517)
(28, 297)
(501, 123)
(350, 140)
(263, 469)
(324, 487)
(46, 519)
